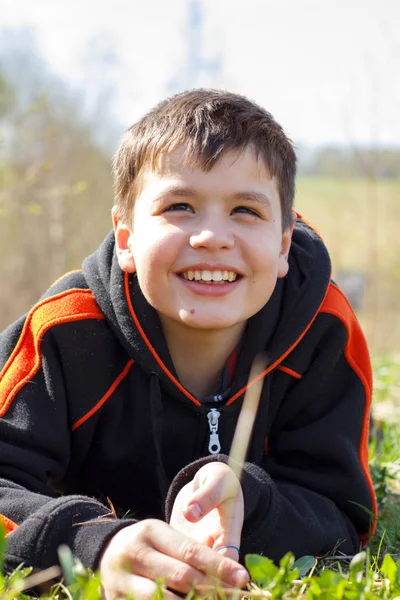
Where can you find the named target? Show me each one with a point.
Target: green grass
(371, 575)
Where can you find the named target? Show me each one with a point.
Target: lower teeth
(208, 282)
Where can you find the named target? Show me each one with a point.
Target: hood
(275, 329)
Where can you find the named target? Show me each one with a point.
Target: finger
(229, 532)
(125, 585)
(232, 553)
(179, 576)
(203, 559)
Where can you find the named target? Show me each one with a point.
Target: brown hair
(207, 123)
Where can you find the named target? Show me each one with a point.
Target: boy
(126, 381)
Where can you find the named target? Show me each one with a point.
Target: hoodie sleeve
(312, 492)
(35, 448)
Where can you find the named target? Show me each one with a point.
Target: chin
(198, 321)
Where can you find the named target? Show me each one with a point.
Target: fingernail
(195, 511)
(240, 577)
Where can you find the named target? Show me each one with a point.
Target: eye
(246, 210)
(179, 206)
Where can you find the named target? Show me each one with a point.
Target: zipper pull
(213, 446)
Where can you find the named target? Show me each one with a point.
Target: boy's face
(207, 247)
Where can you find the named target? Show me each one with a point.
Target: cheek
(154, 251)
(265, 255)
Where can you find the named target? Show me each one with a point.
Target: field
(360, 223)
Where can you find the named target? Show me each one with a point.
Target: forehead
(234, 168)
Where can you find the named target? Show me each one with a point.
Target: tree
(55, 180)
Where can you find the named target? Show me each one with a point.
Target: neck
(199, 355)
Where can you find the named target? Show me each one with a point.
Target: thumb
(211, 490)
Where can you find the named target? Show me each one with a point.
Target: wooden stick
(244, 427)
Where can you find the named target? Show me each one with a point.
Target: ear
(283, 266)
(123, 243)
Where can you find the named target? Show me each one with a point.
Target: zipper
(214, 446)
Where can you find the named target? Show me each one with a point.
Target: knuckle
(189, 551)
(223, 568)
(138, 554)
(180, 578)
(147, 525)
(145, 529)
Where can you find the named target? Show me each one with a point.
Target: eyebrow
(184, 192)
(178, 191)
(258, 197)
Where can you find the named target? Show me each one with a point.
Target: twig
(38, 578)
(229, 591)
(66, 591)
(338, 557)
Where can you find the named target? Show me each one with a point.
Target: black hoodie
(95, 425)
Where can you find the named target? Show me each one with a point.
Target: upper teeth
(210, 275)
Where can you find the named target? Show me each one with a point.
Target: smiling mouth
(210, 277)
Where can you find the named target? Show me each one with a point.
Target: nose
(213, 236)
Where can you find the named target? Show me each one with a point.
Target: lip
(213, 290)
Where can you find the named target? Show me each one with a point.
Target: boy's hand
(210, 508)
(150, 551)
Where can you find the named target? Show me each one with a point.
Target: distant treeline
(334, 161)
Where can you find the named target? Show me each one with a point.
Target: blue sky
(328, 70)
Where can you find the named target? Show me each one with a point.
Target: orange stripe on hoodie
(289, 371)
(25, 360)
(106, 396)
(357, 356)
(277, 361)
(151, 347)
(9, 526)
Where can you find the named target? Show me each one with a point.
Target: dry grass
(360, 223)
